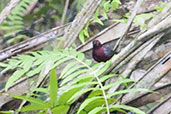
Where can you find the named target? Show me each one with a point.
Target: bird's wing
(108, 52)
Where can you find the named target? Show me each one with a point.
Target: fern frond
(78, 77)
(15, 22)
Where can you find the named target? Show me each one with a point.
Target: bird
(101, 53)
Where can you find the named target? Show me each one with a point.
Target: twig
(163, 27)
(147, 98)
(160, 105)
(79, 22)
(135, 60)
(151, 77)
(125, 31)
(31, 43)
(6, 11)
(135, 57)
(64, 13)
(97, 35)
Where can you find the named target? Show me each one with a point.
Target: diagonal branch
(79, 22)
(65, 11)
(31, 43)
(6, 11)
(125, 31)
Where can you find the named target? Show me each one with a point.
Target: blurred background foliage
(32, 17)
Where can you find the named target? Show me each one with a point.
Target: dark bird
(100, 53)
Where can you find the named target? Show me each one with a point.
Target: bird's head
(97, 44)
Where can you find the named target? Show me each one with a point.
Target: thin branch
(125, 31)
(7, 10)
(151, 77)
(135, 57)
(159, 107)
(79, 22)
(65, 11)
(31, 43)
(163, 27)
(97, 35)
(150, 97)
(135, 60)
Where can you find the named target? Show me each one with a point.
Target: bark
(72, 32)
(33, 42)
(150, 97)
(7, 10)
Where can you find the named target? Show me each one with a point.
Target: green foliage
(115, 4)
(77, 78)
(105, 6)
(14, 22)
(138, 20)
(160, 8)
(84, 33)
(7, 112)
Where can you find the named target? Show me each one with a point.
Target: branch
(150, 97)
(65, 11)
(6, 11)
(153, 75)
(135, 57)
(161, 28)
(125, 31)
(166, 105)
(79, 22)
(31, 43)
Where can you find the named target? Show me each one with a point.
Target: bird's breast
(99, 55)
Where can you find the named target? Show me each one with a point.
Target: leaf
(103, 68)
(117, 83)
(73, 69)
(32, 100)
(96, 19)
(102, 79)
(103, 109)
(78, 94)
(97, 13)
(132, 109)
(104, 15)
(27, 65)
(43, 90)
(33, 107)
(62, 109)
(3, 64)
(97, 110)
(53, 88)
(127, 91)
(106, 6)
(88, 101)
(61, 61)
(71, 91)
(12, 64)
(15, 76)
(7, 112)
(145, 15)
(84, 78)
(72, 76)
(115, 4)
(86, 33)
(81, 37)
(35, 71)
(65, 70)
(81, 56)
(95, 93)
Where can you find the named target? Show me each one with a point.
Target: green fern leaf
(53, 88)
(16, 75)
